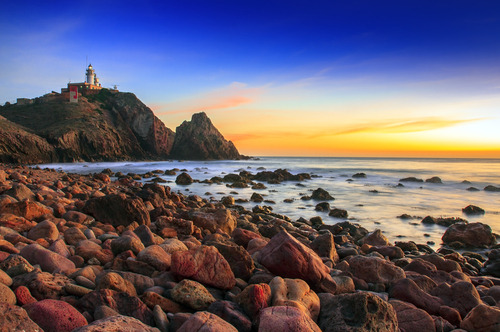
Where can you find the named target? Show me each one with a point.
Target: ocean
(375, 202)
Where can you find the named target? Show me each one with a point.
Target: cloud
(401, 127)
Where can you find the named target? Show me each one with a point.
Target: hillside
(108, 126)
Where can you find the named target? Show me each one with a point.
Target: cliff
(198, 139)
(107, 126)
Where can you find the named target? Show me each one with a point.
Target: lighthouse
(90, 75)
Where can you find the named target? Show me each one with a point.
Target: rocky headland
(102, 252)
(103, 126)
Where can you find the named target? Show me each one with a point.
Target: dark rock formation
(103, 126)
(198, 139)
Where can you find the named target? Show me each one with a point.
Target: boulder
(254, 298)
(152, 300)
(192, 294)
(360, 312)
(242, 236)
(482, 318)
(117, 323)
(204, 321)
(375, 238)
(286, 319)
(126, 242)
(55, 316)
(78, 217)
(14, 318)
(42, 285)
(73, 235)
(204, 264)
(155, 256)
(16, 223)
(410, 318)
(114, 281)
(48, 260)
(20, 192)
(285, 256)
(375, 270)
(7, 295)
(184, 179)
(27, 209)
(295, 293)
(321, 194)
(461, 295)
(477, 235)
(121, 302)
(408, 291)
(118, 209)
(324, 246)
(231, 313)
(238, 258)
(473, 210)
(44, 230)
(214, 219)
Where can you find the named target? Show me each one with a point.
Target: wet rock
(375, 270)
(227, 200)
(473, 210)
(375, 238)
(206, 322)
(295, 293)
(285, 256)
(204, 264)
(48, 260)
(434, 179)
(492, 188)
(411, 179)
(45, 229)
(192, 294)
(361, 311)
(285, 318)
(55, 316)
(257, 198)
(231, 313)
(475, 235)
(359, 176)
(118, 209)
(117, 323)
(410, 318)
(119, 301)
(482, 318)
(321, 194)
(14, 318)
(254, 298)
(338, 213)
(446, 222)
(322, 207)
(184, 179)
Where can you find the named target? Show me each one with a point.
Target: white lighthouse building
(91, 76)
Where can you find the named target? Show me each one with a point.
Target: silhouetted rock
(198, 139)
(473, 210)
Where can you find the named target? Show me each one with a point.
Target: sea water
(375, 202)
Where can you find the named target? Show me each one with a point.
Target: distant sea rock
(198, 139)
(103, 126)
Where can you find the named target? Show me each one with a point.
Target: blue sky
(266, 70)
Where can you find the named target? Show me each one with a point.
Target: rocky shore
(100, 253)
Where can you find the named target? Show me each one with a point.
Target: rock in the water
(198, 139)
(117, 323)
(184, 179)
(204, 264)
(360, 312)
(321, 194)
(285, 256)
(338, 213)
(434, 179)
(482, 318)
(473, 210)
(192, 294)
(55, 316)
(475, 235)
(118, 210)
(286, 319)
(14, 318)
(411, 179)
(206, 322)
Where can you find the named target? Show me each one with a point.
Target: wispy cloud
(405, 126)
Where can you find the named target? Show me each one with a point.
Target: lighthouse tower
(90, 75)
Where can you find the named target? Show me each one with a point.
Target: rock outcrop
(198, 139)
(103, 126)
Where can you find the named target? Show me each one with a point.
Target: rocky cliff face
(102, 127)
(198, 139)
(19, 146)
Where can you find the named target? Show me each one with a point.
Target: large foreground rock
(14, 318)
(118, 210)
(117, 323)
(204, 321)
(482, 318)
(357, 312)
(375, 270)
(286, 257)
(204, 264)
(48, 260)
(286, 319)
(55, 316)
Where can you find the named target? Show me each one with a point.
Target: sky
(279, 78)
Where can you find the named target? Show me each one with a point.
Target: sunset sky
(283, 78)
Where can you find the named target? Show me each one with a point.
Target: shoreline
(104, 241)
